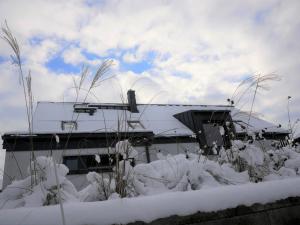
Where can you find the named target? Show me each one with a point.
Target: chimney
(132, 101)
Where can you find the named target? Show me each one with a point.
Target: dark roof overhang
(196, 121)
(47, 141)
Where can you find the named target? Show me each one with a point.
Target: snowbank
(149, 208)
(169, 174)
(41, 189)
(243, 163)
(175, 184)
(183, 173)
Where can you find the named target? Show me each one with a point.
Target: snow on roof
(296, 136)
(158, 118)
(255, 124)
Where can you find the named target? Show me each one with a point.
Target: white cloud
(40, 54)
(202, 51)
(216, 43)
(131, 58)
(73, 56)
(45, 18)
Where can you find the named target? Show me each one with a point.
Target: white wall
(17, 163)
(2, 159)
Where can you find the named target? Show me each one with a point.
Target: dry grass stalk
(25, 83)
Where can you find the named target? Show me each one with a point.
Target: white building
(73, 133)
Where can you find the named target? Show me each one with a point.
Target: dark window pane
(212, 134)
(85, 163)
(72, 163)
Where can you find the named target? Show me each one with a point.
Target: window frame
(135, 124)
(68, 123)
(88, 163)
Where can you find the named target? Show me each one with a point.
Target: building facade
(74, 133)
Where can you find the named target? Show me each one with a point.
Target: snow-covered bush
(100, 188)
(161, 175)
(119, 183)
(170, 173)
(261, 164)
(123, 169)
(45, 192)
(242, 163)
(125, 149)
(284, 162)
(181, 173)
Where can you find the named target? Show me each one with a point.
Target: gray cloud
(217, 43)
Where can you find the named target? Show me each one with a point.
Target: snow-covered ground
(148, 208)
(173, 185)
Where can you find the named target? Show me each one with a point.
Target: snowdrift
(149, 208)
(243, 163)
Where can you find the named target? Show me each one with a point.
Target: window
(72, 163)
(69, 125)
(135, 124)
(90, 111)
(82, 164)
(212, 134)
(92, 108)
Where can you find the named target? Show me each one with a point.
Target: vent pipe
(132, 101)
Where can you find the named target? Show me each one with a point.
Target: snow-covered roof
(255, 124)
(157, 118)
(296, 136)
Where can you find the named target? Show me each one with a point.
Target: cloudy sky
(193, 52)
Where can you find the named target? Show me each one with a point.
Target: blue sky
(141, 66)
(58, 65)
